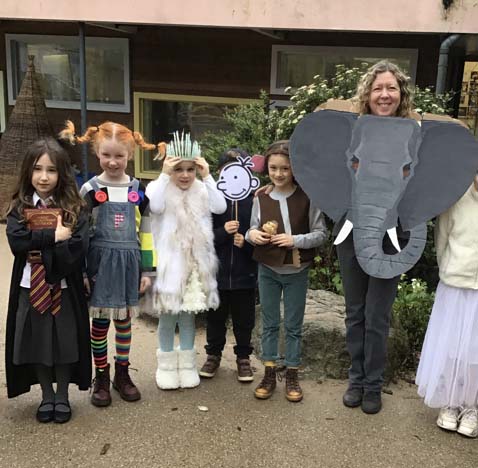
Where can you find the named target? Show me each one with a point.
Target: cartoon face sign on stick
(236, 181)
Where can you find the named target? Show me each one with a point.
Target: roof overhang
(423, 16)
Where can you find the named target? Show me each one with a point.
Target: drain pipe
(443, 62)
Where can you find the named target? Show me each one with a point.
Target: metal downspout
(443, 62)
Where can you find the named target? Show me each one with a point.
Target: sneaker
(293, 392)
(353, 397)
(210, 367)
(244, 371)
(268, 384)
(448, 418)
(371, 401)
(468, 422)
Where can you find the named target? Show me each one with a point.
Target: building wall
(212, 61)
(338, 15)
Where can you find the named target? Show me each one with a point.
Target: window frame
(3, 116)
(391, 53)
(139, 97)
(71, 40)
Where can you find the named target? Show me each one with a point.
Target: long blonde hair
(364, 88)
(95, 135)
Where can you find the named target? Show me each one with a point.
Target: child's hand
(86, 284)
(238, 240)
(62, 233)
(231, 227)
(169, 164)
(265, 190)
(144, 284)
(202, 166)
(259, 237)
(283, 240)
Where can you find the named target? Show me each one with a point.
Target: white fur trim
(184, 241)
(188, 372)
(167, 377)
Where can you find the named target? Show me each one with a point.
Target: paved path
(166, 429)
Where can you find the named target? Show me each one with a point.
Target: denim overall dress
(114, 256)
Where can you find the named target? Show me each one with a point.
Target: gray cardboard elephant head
(381, 173)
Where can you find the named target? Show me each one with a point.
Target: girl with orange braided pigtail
(120, 256)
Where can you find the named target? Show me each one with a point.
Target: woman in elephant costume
(380, 180)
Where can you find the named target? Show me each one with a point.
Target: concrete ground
(166, 429)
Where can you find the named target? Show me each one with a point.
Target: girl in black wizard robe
(47, 335)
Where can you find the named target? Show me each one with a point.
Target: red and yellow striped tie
(42, 297)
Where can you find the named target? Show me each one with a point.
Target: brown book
(42, 218)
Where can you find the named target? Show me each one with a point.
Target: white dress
(448, 371)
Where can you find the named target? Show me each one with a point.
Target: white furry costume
(184, 241)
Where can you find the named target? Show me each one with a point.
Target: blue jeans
(186, 322)
(294, 288)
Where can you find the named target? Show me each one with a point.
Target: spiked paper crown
(183, 146)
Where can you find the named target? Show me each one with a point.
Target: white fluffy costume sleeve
(181, 223)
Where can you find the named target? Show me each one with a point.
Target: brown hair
(278, 147)
(95, 135)
(65, 194)
(364, 88)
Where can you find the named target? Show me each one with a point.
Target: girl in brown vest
(285, 230)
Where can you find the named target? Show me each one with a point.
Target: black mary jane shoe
(62, 417)
(45, 416)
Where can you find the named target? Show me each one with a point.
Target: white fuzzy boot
(188, 372)
(167, 377)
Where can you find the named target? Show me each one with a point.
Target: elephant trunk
(369, 231)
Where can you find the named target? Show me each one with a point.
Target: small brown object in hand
(270, 227)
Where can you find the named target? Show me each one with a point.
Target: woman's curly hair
(364, 88)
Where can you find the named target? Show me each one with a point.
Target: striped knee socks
(123, 340)
(99, 341)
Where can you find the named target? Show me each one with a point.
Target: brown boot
(293, 392)
(268, 384)
(101, 387)
(123, 384)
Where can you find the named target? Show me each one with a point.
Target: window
(468, 110)
(57, 63)
(156, 116)
(296, 66)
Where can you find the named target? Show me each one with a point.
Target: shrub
(411, 312)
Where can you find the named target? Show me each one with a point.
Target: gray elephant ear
(447, 163)
(318, 156)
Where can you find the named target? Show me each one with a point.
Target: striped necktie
(42, 297)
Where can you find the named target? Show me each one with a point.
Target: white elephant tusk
(392, 233)
(344, 232)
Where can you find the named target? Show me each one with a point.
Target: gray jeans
(368, 306)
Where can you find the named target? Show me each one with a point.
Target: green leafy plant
(253, 127)
(425, 100)
(411, 312)
(325, 274)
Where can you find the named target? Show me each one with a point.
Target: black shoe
(45, 415)
(371, 402)
(62, 416)
(353, 397)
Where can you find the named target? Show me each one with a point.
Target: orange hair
(95, 135)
